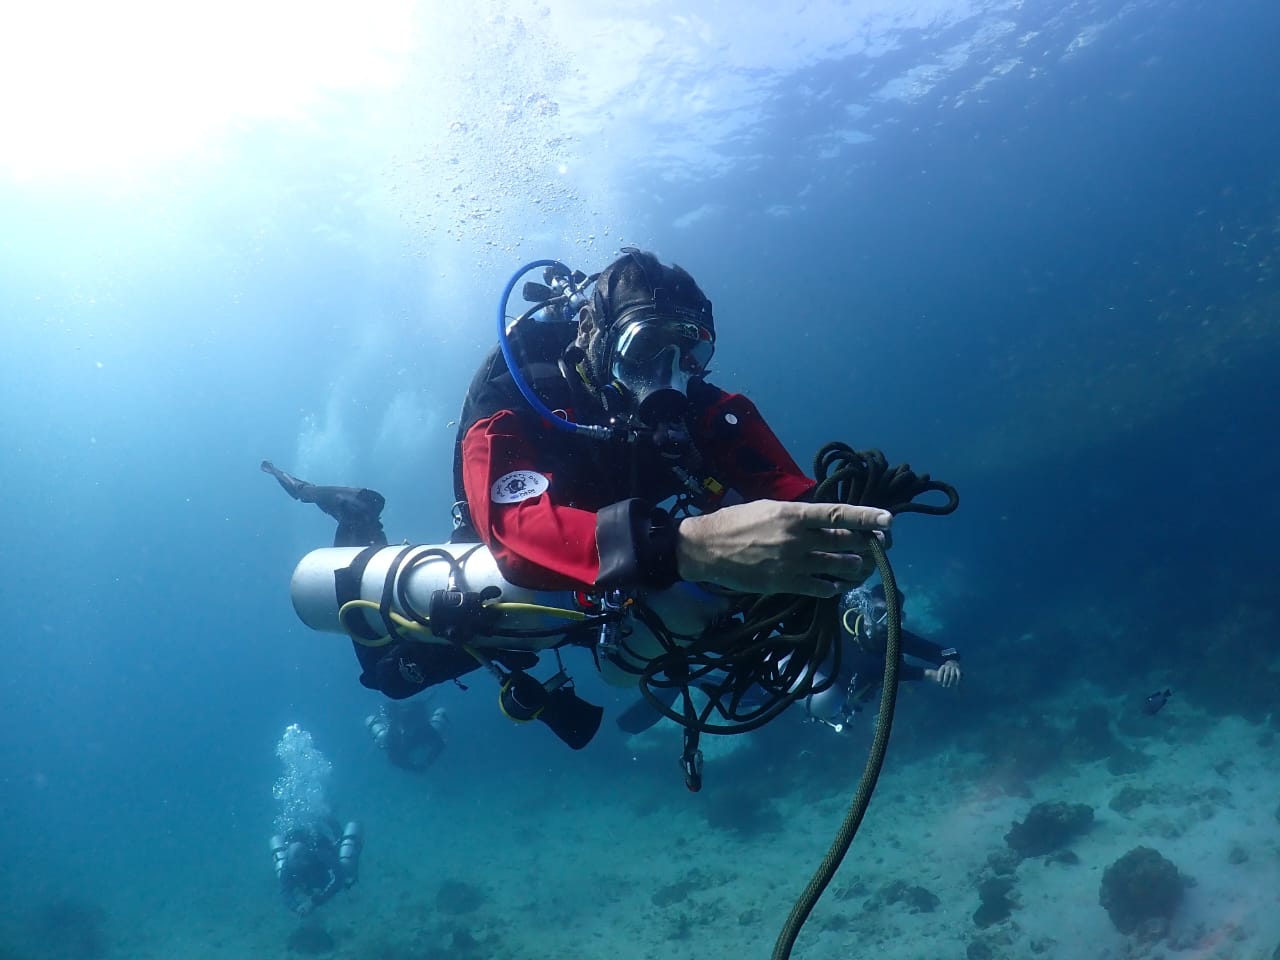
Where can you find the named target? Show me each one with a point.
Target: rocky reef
(1047, 827)
(996, 901)
(1141, 892)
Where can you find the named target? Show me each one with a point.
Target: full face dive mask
(654, 355)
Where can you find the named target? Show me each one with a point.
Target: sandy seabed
(638, 869)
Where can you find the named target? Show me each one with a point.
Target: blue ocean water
(1028, 247)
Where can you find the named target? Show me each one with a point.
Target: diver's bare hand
(947, 675)
(771, 546)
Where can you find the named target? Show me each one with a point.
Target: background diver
(314, 860)
(864, 636)
(412, 736)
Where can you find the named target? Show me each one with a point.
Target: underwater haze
(1031, 248)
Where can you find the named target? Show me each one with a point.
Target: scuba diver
(603, 483)
(412, 737)
(313, 861)
(314, 858)
(864, 620)
(579, 510)
(592, 411)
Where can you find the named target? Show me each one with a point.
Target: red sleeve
(538, 542)
(746, 455)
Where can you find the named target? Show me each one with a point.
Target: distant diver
(314, 856)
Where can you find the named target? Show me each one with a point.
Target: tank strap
(346, 583)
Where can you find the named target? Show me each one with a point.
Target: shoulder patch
(518, 485)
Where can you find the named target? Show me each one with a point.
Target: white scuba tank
(422, 570)
(685, 608)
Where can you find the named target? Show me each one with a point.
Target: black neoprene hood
(667, 289)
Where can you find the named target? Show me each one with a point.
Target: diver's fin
(641, 715)
(292, 485)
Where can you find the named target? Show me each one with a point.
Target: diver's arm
(538, 538)
(542, 542)
(741, 450)
(944, 661)
(330, 888)
(776, 543)
(911, 672)
(914, 645)
(768, 546)
(946, 675)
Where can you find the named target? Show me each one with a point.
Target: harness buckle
(615, 604)
(461, 514)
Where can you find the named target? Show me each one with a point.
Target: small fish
(1155, 702)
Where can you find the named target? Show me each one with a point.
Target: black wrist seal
(637, 544)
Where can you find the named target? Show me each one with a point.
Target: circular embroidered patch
(518, 485)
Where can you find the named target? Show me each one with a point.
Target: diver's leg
(358, 513)
(357, 509)
(298, 489)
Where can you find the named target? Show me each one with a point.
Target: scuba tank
(451, 592)
(349, 848)
(279, 854)
(439, 720)
(378, 726)
(421, 582)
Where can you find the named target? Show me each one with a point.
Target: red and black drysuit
(595, 524)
